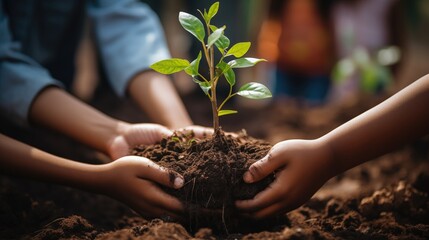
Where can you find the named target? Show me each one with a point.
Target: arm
(28, 92)
(155, 94)
(127, 179)
(130, 39)
(305, 165)
(56, 109)
(400, 119)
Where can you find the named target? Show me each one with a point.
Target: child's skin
(303, 166)
(129, 179)
(56, 109)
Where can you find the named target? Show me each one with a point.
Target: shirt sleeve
(130, 38)
(21, 78)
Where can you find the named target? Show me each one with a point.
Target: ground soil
(387, 198)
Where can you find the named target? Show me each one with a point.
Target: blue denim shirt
(38, 41)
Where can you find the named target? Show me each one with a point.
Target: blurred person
(297, 38)
(303, 166)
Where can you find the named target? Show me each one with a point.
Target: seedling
(216, 38)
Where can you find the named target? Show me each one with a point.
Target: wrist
(71, 173)
(98, 179)
(330, 163)
(91, 179)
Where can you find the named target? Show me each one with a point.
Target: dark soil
(387, 198)
(213, 170)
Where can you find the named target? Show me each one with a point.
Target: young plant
(215, 38)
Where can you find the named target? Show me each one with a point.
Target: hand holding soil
(304, 166)
(301, 167)
(132, 180)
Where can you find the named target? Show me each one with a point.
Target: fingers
(159, 198)
(271, 210)
(152, 208)
(152, 171)
(263, 167)
(146, 134)
(269, 196)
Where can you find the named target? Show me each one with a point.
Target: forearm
(156, 95)
(19, 159)
(58, 110)
(400, 119)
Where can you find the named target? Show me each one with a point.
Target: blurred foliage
(373, 71)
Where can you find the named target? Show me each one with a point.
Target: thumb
(262, 168)
(152, 171)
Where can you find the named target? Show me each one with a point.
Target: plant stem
(209, 53)
(213, 95)
(230, 95)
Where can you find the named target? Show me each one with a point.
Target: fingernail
(178, 182)
(248, 177)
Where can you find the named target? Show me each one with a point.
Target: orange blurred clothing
(299, 41)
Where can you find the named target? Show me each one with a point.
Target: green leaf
(230, 76)
(239, 49)
(223, 42)
(205, 86)
(213, 27)
(206, 15)
(192, 70)
(212, 11)
(223, 66)
(215, 36)
(254, 90)
(193, 25)
(169, 66)
(227, 71)
(245, 62)
(226, 112)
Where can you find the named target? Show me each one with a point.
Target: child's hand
(135, 134)
(131, 179)
(301, 167)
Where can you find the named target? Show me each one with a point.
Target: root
(223, 219)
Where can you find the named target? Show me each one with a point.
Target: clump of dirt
(72, 227)
(213, 169)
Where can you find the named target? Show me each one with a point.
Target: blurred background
(325, 58)
(328, 61)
